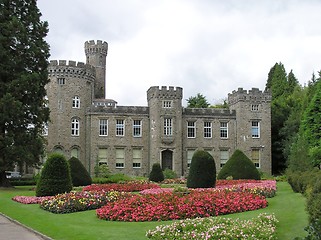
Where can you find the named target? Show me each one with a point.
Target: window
(74, 152)
(167, 104)
(102, 156)
(137, 158)
(255, 155)
(103, 127)
(76, 102)
(137, 128)
(223, 157)
(191, 130)
(61, 81)
(224, 130)
(255, 129)
(120, 127)
(168, 128)
(120, 158)
(255, 107)
(190, 154)
(74, 127)
(207, 130)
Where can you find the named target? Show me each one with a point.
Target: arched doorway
(167, 159)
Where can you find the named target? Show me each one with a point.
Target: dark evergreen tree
(55, 176)
(281, 87)
(199, 101)
(23, 76)
(239, 166)
(156, 175)
(79, 174)
(202, 173)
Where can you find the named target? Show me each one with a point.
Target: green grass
(288, 207)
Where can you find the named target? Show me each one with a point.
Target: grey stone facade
(131, 138)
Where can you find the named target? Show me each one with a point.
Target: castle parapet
(165, 92)
(254, 94)
(91, 47)
(68, 69)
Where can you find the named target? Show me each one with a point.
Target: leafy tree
(55, 176)
(23, 76)
(202, 173)
(199, 101)
(281, 86)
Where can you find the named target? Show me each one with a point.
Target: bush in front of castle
(156, 175)
(239, 166)
(202, 173)
(55, 176)
(79, 174)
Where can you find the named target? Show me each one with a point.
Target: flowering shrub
(30, 199)
(78, 201)
(175, 181)
(133, 186)
(265, 188)
(261, 227)
(168, 206)
(156, 190)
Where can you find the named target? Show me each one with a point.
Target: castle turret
(96, 54)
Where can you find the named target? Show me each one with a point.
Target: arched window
(74, 127)
(76, 102)
(74, 152)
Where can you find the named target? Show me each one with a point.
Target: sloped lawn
(287, 206)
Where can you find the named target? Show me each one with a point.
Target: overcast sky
(210, 47)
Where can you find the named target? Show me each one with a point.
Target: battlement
(68, 69)
(91, 47)
(165, 92)
(254, 95)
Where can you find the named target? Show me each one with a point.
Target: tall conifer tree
(23, 75)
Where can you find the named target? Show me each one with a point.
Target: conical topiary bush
(202, 173)
(156, 175)
(239, 166)
(55, 176)
(79, 174)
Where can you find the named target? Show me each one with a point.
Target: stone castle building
(130, 139)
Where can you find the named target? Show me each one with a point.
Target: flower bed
(30, 199)
(168, 206)
(261, 227)
(134, 186)
(78, 201)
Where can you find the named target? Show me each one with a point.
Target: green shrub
(239, 166)
(314, 210)
(115, 178)
(102, 171)
(202, 173)
(156, 175)
(79, 174)
(169, 174)
(55, 176)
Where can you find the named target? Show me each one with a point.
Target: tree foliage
(202, 173)
(199, 101)
(23, 76)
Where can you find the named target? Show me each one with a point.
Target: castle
(129, 139)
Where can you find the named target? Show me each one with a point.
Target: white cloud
(209, 47)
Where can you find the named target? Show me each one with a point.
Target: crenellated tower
(165, 114)
(96, 54)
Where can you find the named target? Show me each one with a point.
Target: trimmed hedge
(202, 173)
(156, 175)
(55, 176)
(239, 166)
(79, 174)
